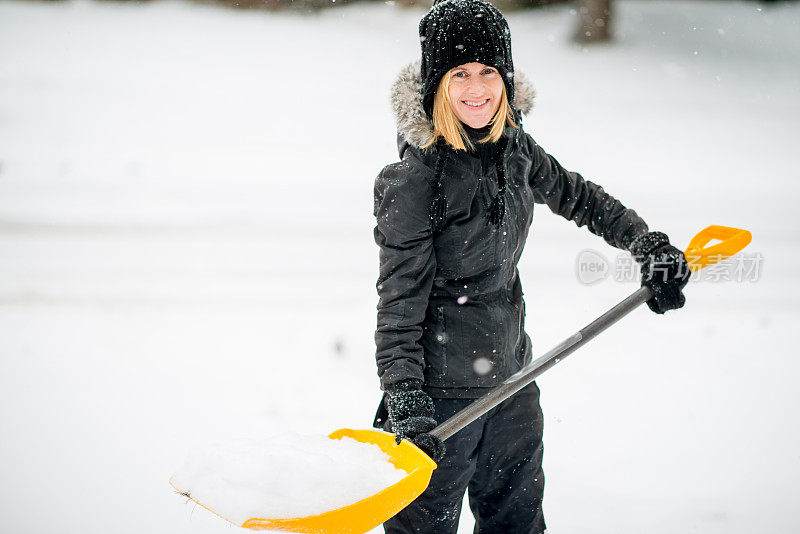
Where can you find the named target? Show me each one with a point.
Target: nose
(475, 86)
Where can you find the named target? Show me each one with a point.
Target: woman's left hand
(664, 270)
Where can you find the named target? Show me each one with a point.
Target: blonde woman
(452, 218)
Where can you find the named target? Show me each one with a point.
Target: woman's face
(475, 92)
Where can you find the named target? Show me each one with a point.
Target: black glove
(664, 270)
(411, 417)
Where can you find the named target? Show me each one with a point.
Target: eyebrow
(462, 69)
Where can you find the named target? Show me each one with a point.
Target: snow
(284, 476)
(186, 253)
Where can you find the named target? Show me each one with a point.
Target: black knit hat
(455, 32)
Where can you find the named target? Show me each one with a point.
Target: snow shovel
(368, 513)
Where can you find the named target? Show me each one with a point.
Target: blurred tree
(511, 5)
(594, 21)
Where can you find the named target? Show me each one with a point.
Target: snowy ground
(186, 253)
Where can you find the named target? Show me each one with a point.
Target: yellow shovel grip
(732, 241)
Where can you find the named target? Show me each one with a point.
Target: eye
(489, 70)
(460, 74)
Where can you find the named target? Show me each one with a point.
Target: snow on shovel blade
(365, 514)
(368, 513)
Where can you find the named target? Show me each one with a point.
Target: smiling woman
(475, 91)
(452, 220)
(471, 94)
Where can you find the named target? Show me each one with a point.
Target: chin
(477, 124)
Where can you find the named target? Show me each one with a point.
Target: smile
(473, 104)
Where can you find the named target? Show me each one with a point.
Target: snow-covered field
(186, 254)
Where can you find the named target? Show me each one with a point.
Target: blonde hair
(446, 125)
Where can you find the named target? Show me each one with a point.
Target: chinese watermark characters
(592, 267)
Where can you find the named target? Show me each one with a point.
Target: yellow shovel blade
(368, 513)
(731, 241)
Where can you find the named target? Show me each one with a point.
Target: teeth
(474, 104)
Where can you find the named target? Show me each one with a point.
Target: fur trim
(406, 99)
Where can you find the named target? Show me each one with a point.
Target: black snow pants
(498, 458)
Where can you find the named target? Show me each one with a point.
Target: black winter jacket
(451, 311)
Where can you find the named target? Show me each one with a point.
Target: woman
(452, 219)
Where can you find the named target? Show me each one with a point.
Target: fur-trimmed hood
(412, 122)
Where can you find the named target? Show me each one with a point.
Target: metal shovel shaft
(530, 372)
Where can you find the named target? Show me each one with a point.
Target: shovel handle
(732, 241)
(530, 372)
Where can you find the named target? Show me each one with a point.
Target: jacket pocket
(441, 335)
(522, 341)
(523, 356)
(518, 333)
(435, 345)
